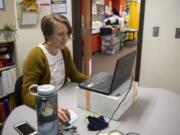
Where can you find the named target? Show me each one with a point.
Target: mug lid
(46, 89)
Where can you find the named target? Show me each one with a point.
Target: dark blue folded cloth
(96, 123)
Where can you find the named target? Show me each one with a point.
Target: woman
(51, 61)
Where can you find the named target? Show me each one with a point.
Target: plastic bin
(109, 40)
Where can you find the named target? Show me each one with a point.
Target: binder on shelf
(2, 112)
(12, 79)
(7, 107)
(5, 81)
(1, 89)
(8, 80)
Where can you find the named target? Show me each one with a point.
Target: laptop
(106, 83)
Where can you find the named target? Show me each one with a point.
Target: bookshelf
(8, 76)
(8, 73)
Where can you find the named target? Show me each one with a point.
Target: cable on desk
(132, 78)
(117, 132)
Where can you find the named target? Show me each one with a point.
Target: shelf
(6, 95)
(4, 41)
(2, 96)
(6, 68)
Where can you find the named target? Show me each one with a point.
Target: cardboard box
(107, 104)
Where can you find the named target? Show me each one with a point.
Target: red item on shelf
(4, 62)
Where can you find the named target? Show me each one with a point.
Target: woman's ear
(47, 38)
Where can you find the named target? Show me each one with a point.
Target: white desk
(156, 112)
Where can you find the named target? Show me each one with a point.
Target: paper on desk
(73, 117)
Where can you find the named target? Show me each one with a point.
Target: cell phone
(24, 128)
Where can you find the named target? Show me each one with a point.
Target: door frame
(76, 34)
(139, 41)
(77, 45)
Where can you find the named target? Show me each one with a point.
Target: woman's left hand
(64, 114)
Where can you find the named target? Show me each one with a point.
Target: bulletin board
(27, 17)
(98, 10)
(59, 6)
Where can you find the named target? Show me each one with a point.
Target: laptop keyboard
(104, 85)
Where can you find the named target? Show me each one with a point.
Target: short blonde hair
(48, 22)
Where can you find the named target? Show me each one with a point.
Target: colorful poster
(59, 6)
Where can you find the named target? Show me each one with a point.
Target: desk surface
(156, 112)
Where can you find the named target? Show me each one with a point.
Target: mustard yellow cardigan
(36, 71)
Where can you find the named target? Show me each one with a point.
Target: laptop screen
(123, 70)
(106, 83)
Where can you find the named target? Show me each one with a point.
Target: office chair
(17, 93)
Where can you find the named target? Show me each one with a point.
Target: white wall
(160, 64)
(29, 38)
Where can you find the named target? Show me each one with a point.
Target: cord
(132, 133)
(119, 104)
(121, 133)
